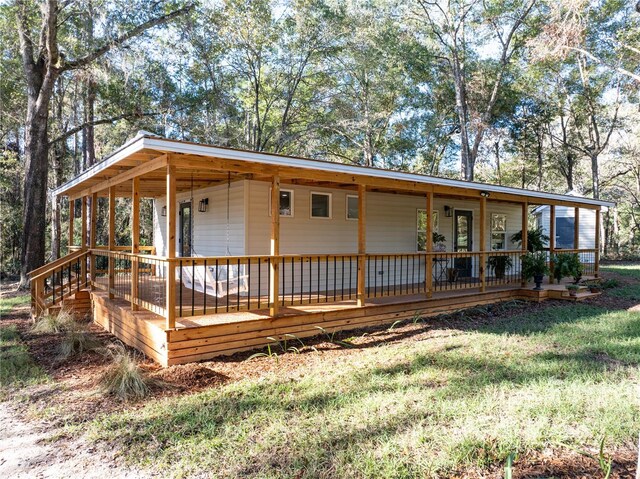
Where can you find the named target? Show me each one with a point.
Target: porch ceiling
(198, 166)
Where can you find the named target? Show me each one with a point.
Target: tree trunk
(595, 176)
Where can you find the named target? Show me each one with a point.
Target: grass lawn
(564, 376)
(7, 304)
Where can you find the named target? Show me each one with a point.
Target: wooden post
(112, 239)
(552, 239)
(135, 240)
(362, 245)
(576, 228)
(72, 214)
(274, 281)
(428, 246)
(525, 233)
(83, 245)
(596, 266)
(171, 246)
(483, 243)
(92, 237)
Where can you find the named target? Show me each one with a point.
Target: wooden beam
(483, 243)
(552, 239)
(597, 245)
(72, 214)
(576, 228)
(171, 247)
(131, 173)
(135, 239)
(274, 280)
(362, 244)
(525, 233)
(92, 237)
(428, 246)
(83, 245)
(112, 238)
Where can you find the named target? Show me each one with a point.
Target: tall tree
(457, 30)
(43, 63)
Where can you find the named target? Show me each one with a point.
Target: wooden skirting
(144, 330)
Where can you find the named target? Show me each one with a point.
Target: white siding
(209, 229)
(587, 222)
(391, 222)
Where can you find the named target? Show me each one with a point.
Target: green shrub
(534, 264)
(567, 265)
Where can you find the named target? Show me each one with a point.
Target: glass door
(463, 241)
(185, 229)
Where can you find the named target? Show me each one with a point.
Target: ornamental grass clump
(123, 378)
(53, 323)
(76, 340)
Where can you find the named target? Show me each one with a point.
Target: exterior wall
(391, 222)
(210, 228)
(587, 222)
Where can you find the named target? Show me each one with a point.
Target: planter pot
(499, 272)
(573, 293)
(595, 289)
(538, 278)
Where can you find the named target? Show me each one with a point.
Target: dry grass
(124, 379)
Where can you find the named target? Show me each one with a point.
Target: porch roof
(199, 165)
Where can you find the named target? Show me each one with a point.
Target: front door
(463, 240)
(185, 229)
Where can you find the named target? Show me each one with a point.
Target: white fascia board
(310, 164)
(120, 154)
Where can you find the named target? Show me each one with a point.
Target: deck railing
(58, 280)
(210, 285)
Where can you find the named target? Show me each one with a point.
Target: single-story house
(249, 247)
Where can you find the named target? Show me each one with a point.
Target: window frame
(346, 214)
(493, 231)
(435, 217)
(329, 204)
(292, 193)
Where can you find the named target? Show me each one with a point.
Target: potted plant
(499, 265)
(567, 265)
(438, 242)
(534, 266)
(573, 289)
(594, 286)
(536, 239)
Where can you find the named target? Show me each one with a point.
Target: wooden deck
(206, 336)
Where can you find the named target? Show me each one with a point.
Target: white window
(286, 202)
(421, 226)
(320, 205)
(353, 213)
(498, 232)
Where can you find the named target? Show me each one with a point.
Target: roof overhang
(198, 165)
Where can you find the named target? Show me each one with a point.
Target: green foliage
(567, 265)
(536, 239)
(7, 304)
(16, 365)
(534, 264)
(499, 264)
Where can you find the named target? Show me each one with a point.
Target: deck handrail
(45, 269)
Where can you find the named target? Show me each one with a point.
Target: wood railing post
(93, 239)
(362, 244)
(135, 240)
(552, 239)
(171, 247)
(112, 240)
(576, 228)
(483, 243)
(596, 266)
(428, 246)
(274, 282)
(72, 215)
(525, 233)
(83, 246)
